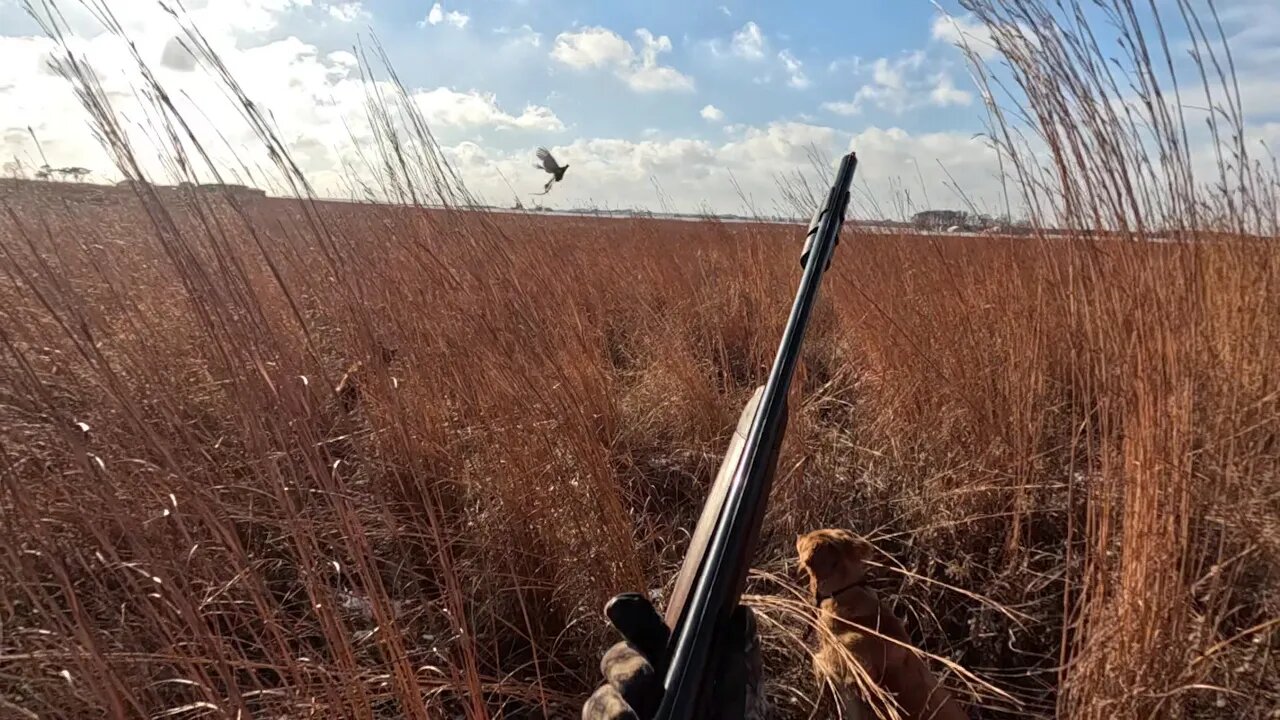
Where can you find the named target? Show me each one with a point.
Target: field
(1067, 452)
(1065, 445)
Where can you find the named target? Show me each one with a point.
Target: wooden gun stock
(713, 507)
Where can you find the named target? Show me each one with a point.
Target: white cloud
(1267, 133)
(698, 174)
(725, 10)
(649, 76)
(476, 109)
(1259, 92)
(795, 70)
(247, 15)
(945, 93)
(592, 47)
(749, 42)
(597, 47)
(1253, 30)
(215, 18)
(348, 11)
(658, 78)
(888, 87)
(891, 75)
(781, 143)
(842, 107)
(344, 59)
(315, 98)
(438, 15)
(522, 34)
(900, 85)
(965, 31)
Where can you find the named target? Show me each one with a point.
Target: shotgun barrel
(714, 573)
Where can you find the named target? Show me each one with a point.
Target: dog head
(834, 559)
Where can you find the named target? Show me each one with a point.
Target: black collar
(819, 597)
(817, 602)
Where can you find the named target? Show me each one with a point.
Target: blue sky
(696, 97)
(748, 89)
(747, 81)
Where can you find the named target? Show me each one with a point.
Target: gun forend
(711, 512)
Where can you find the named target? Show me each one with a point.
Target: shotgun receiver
(714, 572)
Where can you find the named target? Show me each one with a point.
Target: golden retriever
(859, 628)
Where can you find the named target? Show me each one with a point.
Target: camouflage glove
(633, 684)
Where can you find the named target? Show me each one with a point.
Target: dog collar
(819, 597)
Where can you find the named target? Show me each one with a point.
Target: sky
(681, 105)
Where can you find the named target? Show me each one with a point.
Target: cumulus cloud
(902, 84)
(437, 15)
(945, 93)
(593, 47)
(780, 144)
(476, 109)
(1252, 28)
(842, 107)
(522, 34)
(348, 11)
(316, 99)
(601, 48)
(649, 76)
(965, 31)
(795, 70)
(749, 42)
(215, 18)
(701, 174)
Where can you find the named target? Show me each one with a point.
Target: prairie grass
(1066, 445)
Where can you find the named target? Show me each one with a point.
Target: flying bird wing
(548, 163)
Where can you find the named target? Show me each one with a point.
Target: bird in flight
(550, 165)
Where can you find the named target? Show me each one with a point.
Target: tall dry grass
(1065, 445)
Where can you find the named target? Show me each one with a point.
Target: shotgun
(714, 573)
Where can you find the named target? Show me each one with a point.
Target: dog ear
(818, 557)
(854, 546)
(814, 552)
(833, 556)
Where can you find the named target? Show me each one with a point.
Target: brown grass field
(1065, 446)
(1067, 452)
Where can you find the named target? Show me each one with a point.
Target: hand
(632, 668)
